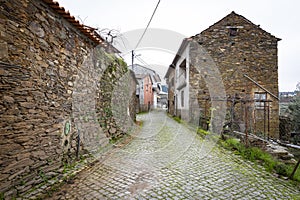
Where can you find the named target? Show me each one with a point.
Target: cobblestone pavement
(169, 161)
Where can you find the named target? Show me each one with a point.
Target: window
(182, 68)
(182, 98)
(233, 31)
(260, 99)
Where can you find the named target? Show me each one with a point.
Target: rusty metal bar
(265, 118)
(268, 120)
(246, 123)
(261, 87)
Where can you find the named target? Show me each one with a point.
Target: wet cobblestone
(168, 161)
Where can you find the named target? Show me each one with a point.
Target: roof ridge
(85, 30)
(241, 16)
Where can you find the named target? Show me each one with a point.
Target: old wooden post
(295, 169)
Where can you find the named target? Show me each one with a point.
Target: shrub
(281, 169)
(257, 155)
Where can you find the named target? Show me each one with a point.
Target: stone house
(141, 72)
(237, 59)
(170, 80)
(145, 91)
(52, 93)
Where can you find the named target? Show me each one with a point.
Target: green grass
(143, 112)
(290, 169)
(259, 156)
(202, 132)
(177, 119)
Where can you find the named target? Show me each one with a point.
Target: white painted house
(182, 85)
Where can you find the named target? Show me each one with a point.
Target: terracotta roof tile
(87, 31)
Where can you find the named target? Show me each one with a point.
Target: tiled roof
(87, 31)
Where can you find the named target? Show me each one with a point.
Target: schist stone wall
(48, 69)
(116, 101)
(171, 91)
(239, 47)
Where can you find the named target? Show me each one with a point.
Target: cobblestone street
(167, 160)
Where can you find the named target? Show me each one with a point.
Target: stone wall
(48, 69)
(116, 101)
(239, 47)
(171, 90)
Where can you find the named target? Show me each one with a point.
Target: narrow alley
(88, 90)
(166, 160)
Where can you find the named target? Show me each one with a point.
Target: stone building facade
(239, 58)
(147, 78)
(51, 69)
(145, 92)
(170, 80)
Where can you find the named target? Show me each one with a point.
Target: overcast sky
(281, 18)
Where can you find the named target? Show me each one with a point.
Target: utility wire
(147, 25)
(142, 61)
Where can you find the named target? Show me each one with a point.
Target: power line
(139, 41)
(147, 25)
(142, 61)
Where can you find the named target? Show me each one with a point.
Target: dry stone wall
(116, 99)
(50, 83)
